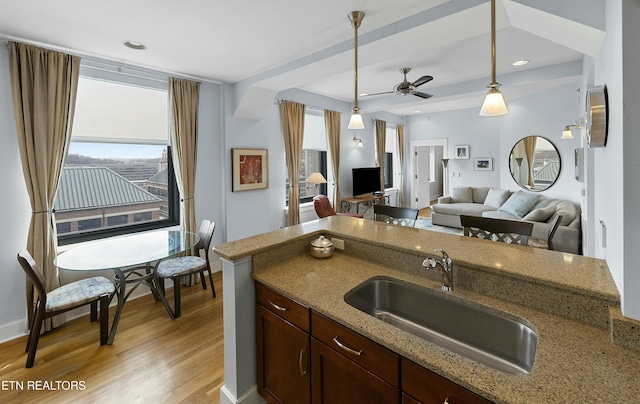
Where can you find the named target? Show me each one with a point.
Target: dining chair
(395, 215)
(66, 297)
(323, 208)
(176, 268)
(506, 231)
(548, 242)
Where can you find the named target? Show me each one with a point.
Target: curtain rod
(312, 107)
(101, 59)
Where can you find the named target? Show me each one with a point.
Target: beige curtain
(400, 130)
(530, 150)
(332, 125)
(292, 116)
(381, 141)
(44, 84)
(183, 104)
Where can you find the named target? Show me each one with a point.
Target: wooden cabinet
(349, 368)
(423, 386)
(304, 357)
(282, 326)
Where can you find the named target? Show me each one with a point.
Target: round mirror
(534, 163)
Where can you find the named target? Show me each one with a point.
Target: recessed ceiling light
(134, 45)
(363, 94)
(520, 62)
(417, 111)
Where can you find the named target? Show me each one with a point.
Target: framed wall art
(461, 152)
(483, 164)
(249, 168)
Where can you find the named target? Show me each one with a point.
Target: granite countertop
(574, 362)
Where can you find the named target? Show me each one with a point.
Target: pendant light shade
(355, 122)
(493, 104)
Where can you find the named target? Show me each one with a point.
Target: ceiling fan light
(356, 122)
(493, 104)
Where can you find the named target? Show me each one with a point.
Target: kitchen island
(568, 300)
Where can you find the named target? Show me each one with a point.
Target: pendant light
(493, 104)
(356, 119)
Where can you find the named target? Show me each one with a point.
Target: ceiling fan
(405, 87)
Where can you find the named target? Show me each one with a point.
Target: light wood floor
(153, 359)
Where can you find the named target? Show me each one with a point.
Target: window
(117, 176)
(314, 156)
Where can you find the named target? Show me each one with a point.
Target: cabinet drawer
(429, 387)
(374, 357)
(290, 310)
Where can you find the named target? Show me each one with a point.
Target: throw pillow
(496, 197)
(479, 194)
(519, 204)
(461, 194)
(540, 215)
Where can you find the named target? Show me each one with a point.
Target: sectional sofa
(520, 205)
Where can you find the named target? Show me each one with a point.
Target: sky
(116, 151)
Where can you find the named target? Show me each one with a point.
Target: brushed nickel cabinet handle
(277, 307)
(346, 348)
(303, 371)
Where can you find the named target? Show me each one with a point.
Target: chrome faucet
(446, 269)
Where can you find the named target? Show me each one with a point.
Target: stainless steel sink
(482, 335)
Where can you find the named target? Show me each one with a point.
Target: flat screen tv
(366, 180)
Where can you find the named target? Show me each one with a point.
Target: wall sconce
(358, 142)
(566, 133)
(316, 179)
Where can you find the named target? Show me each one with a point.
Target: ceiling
(264, 47)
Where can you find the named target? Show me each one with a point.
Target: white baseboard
(13, 330)
(250, 397)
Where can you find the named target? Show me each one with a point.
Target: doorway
(422, 191)
(423, 177)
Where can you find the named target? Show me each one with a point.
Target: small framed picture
(249, 167)
(483, 164)
(461, 152)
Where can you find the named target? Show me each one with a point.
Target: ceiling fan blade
(422, 95)
(422, 80)
(368, 95)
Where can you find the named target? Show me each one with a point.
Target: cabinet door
(283, 360)
(339, 380)
(429, 387)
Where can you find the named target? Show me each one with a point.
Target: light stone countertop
(575, 361)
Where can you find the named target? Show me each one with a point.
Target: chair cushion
(180, 266)
(496, 197)
(461, 194)
(519, 204)
(78, 293)
(470, 209)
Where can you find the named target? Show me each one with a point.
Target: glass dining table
(127, 256)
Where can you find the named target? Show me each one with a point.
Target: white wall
(259, 211)
(14, 215)
(616, 167)
(495, 136)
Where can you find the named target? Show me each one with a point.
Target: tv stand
(361, 204)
